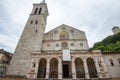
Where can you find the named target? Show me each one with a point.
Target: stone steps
(74, 79)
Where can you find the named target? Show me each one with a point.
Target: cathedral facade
(60, 53)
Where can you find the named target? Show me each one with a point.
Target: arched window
(40, 11)
(36, 11)
(64, 35)
(36, 22)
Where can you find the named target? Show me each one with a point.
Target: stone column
(105, 68)
(86, 68)
(59, 68)
(97, 68)
(73, 69)
(47, 69)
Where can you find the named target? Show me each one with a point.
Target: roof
(115, 27)
(6, 53)
(65, 26)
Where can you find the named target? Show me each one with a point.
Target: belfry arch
(54, 68)
(42, 68)
(91, 68)
(80, 72)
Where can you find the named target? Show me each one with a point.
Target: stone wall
(112, 61)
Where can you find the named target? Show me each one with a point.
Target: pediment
(63, 27)
(72, 33)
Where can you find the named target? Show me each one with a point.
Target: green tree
(110, 43)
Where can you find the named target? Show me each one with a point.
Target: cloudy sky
(95, 17)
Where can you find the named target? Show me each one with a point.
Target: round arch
(53, 68)
(91, 68)
(42, 68)
(80, 72)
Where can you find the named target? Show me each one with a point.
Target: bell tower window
(40, 11)
(36, 10)
(36, 22)
(31, 22)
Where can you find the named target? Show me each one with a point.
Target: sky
(95, 17)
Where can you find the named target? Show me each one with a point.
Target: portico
(80, 66)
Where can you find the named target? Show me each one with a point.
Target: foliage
(110, 44)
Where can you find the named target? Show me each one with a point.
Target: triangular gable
(62, 26)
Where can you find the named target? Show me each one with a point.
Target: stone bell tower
(30, 40)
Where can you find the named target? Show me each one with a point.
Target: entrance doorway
(92, 68)
(65, 71)
(42, 68)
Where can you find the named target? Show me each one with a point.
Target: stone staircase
(74, 79)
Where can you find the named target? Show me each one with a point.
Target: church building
(60, 53)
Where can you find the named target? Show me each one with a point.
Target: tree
(110, 43)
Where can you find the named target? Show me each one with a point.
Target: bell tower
(30, 40)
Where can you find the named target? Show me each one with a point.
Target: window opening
(72, 44)
(40, 11)
(64, 44)
(36, 22)
(36, 10)
(31, 22)
(34, 65)
(57, 45)
(111, 63)
(81, 44)
(36, 31)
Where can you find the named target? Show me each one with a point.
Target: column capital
(59, 60)
(48, 60)
(73, 60)
(84, 60)
(95, 60)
